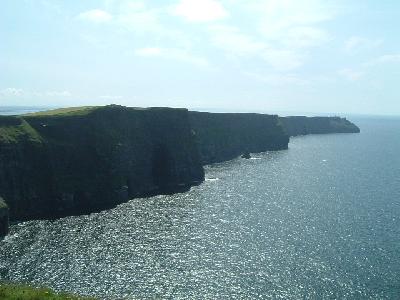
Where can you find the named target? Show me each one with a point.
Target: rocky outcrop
(224, 136)
(3, 218)
(246, 155)
(90, 159)
(299, 125)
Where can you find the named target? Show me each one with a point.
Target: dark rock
(225, 136)
(93, 159)
(4, 224)
(299, 125)
(246, 155)
(82, 160)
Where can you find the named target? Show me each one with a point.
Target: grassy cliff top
(69, 111)
(25, 292)
(17, 131)
(85, 110)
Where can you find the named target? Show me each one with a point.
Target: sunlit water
(320, 220)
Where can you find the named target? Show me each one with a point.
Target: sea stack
(246, 155)
(4, 225)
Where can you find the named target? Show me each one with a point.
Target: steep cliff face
(224, 136)
(299, 125)
(3, 218)
(82, 160)
(73, 162)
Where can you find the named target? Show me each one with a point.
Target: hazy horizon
(8, 110)
(287, 56)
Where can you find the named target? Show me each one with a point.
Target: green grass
(69, 111)
(25, 292)
(15, 133)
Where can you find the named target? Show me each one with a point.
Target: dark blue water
(319, 221)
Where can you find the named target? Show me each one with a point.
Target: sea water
(318, 221)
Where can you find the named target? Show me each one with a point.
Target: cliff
(3, 218)
(77, 161)
(224, 136)
(299, 125)
(82, 160)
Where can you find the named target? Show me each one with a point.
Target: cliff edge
(224, 136)
(299, 125)
(77, 161)
(87, 159)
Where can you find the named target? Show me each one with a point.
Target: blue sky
(262, 55)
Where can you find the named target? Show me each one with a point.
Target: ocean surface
(20, 110)
(318, 221)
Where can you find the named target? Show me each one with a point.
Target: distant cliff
(83, 160)
(224, 136)
(299, 125)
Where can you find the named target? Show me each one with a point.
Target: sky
(317, 56)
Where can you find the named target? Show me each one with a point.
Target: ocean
(20, 110)
(318, 221)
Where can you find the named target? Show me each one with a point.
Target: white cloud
(383, 59)
(293, 24)
(140, 21)
(351, 74)
(96, 16)
(235, 43)
(175, 54)
(389, 58)
(278, 79)
(200, 10)
(15, 92)
(356, 43)
(282, 33)
(304, 36)
(149, 51)
(278, 32)
(282, 59)
(57, 94)
(281, 15)
(11, 92)
(110, 97)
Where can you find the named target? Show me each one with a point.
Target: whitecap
(212, 179)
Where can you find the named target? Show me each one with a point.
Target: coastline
(80, 160)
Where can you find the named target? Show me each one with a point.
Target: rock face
(83, 160)
(224, 136)
(3, 218)
(299, 125)
(76, 162)
(246, 155)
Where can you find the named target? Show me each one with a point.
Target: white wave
(212, 179)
